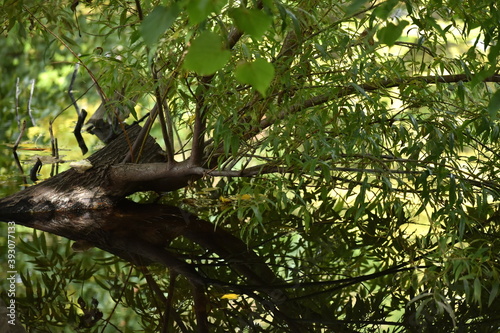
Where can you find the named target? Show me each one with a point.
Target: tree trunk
(89, 208)
(105, 183)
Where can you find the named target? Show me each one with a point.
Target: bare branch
(81, 114)
(200, 123)
(200, 307)
(22, 128)
(29, 101)
(167, 139)
(18, 92)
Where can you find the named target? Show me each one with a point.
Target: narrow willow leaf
(477, 290)
(453, 190)
(494, 105)
(493, 292)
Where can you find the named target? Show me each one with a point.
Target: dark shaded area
(141, 233)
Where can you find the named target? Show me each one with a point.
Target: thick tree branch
(131, 177)
(270, 168)
(200, 307)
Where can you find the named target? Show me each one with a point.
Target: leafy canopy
(352, 144)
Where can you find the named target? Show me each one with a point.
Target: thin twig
(21, 133)
(81, 114)
(159, 101)
(18, 92)
(138, 145)
(91, 74)
(139, 10)
(29, 101)
(337, 93)
(14, 150)
(117, 301)
(70, 89)
(53, 142)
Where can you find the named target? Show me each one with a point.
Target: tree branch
(349, 90)
(159, 102)
(198, 145)
(200, 123)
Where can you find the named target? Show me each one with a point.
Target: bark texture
(105, 183)
(141, 233)
(89, 208)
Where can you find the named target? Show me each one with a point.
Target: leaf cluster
(357, 140)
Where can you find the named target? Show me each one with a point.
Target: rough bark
(105, 183)
(90, 209)
(141, 233)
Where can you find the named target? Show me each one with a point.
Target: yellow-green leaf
(391, 32)
(230, 296)
(198, 10)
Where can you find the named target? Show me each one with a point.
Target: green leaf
(481, 75)
(477, 290)
(493, 53)
(43, 243)
(453, 190)
(385, 9)
(157, 22)
(206, 54)
(252, 21)
(494, 105)
(354, 6)
(258, 74)
(493, 292)
(390, 33)
(198, 10)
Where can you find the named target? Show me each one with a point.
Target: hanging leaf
(494, 105)
(390, 33)
(198, 10)
(206, 54)
(258, 74)
(157, 22)
(252, 21)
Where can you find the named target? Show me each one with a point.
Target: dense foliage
(352, 144)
